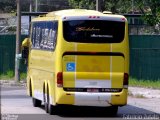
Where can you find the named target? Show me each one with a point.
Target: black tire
(52, 110)
(30, 89)
(36, 102)
(48, 107)
(45, 100)
(113, 110)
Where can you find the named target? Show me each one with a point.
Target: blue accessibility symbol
(70, 66)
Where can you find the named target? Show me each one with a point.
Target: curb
(140, 92)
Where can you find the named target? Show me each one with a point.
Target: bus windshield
(93, 31)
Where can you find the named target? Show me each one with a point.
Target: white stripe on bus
(39, 95)
(92, 99)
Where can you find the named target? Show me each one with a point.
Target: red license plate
(92, 90)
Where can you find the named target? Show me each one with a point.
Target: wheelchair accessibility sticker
(70, 66)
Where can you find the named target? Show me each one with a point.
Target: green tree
(8, 6)
(115, 6)
(150, 10)
(51, 5)
(82, 4)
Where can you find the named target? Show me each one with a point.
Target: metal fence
(7, 53)
(144, 55)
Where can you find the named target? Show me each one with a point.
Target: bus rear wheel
(47, 103)
(52, 109)
(36, 102)
(112, 110)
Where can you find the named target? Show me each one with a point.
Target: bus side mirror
(25, 48)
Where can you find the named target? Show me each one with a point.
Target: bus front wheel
(36, 102)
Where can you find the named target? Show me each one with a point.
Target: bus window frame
(55, 28)
(95, 41)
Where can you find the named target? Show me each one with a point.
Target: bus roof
(78, 12)
(81, 14)
(74, 12)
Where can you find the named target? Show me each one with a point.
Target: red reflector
(125, 80)
(90, 16)
(94, 16)
(59, 79)
(92, 90)
(123, 19)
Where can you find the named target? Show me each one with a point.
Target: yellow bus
(77, 57)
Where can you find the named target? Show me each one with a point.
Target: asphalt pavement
(16, 105)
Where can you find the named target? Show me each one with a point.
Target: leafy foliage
(115, 6)
(150, 10)
(8, 6)
(82, 4)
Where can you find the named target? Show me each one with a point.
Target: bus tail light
(59, 79)
(125, 80)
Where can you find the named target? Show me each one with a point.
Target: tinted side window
(44, 35)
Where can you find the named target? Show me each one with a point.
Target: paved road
(15, 104)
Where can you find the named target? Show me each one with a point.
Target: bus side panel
(41, 69)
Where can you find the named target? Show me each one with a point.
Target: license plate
(92, 90)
